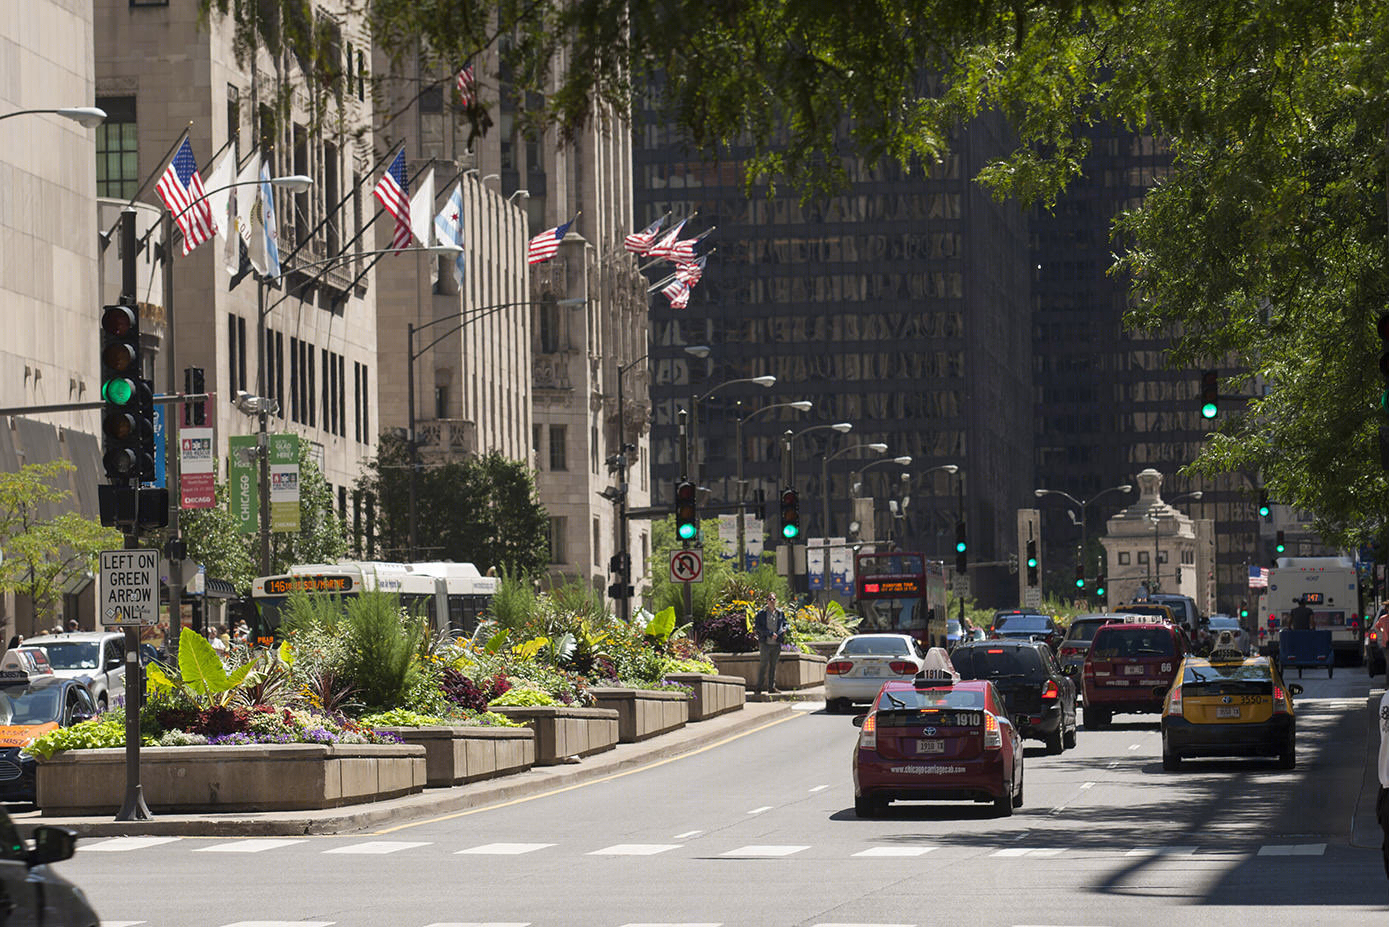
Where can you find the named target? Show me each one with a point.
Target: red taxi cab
(1129, 668)
(937, 738)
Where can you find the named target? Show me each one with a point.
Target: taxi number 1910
(930, 746)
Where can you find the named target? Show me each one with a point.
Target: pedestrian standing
(1300, 618)
(771, 628)
(1382, 806)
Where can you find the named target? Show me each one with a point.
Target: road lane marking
(281, 924)
(121, 844)
(808, 706)
(1011, 851)
(1161, 851)
(376, 847)
(471, 924)
(122, 923)
(863, 925)
(1114, 764)
(687, 834)
(819, 788)
(1045, 851)
(1135, 746)
(657, 924)
(253, 845)
(505, 849)
(895, 851)
(1087, 785)
(635, 849)
(760, 810)
(760, 849)
(1293, 849)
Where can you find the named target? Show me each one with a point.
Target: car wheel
(1096, 718)
(1288, 758)
(1054, 744)
(1003, 805)
(865, 807)
(1069, 738)
(1171, 760)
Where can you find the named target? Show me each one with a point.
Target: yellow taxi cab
(1228, 704)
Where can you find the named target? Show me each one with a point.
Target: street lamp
(952, 469)
(765, 381)
(464, 318)
(788, 477)
(88, 117)
(855, 482)
(1081, 505)
(878, 448)
(800, 405)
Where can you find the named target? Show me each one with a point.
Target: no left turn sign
(686, 566)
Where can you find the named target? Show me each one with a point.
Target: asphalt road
(760, 830)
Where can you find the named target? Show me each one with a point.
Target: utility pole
(175, 548)
(684, 470)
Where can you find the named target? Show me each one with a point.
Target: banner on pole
(284, 484)
(197, 481)
(242, 471)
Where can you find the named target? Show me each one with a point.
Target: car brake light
(868, 734)
(903, 667)
(1374, 635)
(1280, 700)
(839, 667)
(1067, 650)
(993, 736)
(1049, 689)
(1174, 702)
(994, 651)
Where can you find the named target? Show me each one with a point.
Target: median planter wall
(264, 777)
(643, 713)
(713, 695)
(794, 670)
(562, 731)
(467, 753)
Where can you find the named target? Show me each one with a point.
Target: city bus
(452, 596)
(901, 593)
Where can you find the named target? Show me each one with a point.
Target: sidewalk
(693, 737)
(1364, 825)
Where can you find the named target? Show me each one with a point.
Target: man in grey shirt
(771, 628)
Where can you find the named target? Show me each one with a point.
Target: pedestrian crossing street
(701, 850)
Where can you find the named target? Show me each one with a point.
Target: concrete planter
(643, 713)
(467, 753)
(825, 649)
(562, 731)
(713, 695)
(265, 777)
(794, 670)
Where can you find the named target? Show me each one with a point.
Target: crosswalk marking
(376, 847)
(765, 850)
(819, 788)
(506, 849)
(635, 849)
(121, 844)
(1295, 849)
(281, 924)
(760, 810)
(661, 924)
(1161, 851)
(252, 845)
(687, 834)
(863, 925)
(473, 924)
(1010, 851)
(121, 923)
(895, 851)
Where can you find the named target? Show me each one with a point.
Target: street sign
(686, 566)
(960, 585)
(1032, 597)
(128, 595)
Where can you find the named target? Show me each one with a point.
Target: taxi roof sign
(18, 666)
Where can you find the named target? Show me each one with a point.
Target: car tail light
(993, 735)
(1049, 689)
(839, 667)
(1374, 635)
(1068, 650)
(1174, 702)
(868, 734)
(903, 667)
(1280, 700)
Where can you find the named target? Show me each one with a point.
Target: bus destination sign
(284, 585)
(890, 586)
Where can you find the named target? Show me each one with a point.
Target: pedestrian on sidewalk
(771, 628)
(1382, 807)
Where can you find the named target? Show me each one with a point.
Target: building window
(1142, 558)
(557, 539)
(117, 151)
(1123, 558)
(441, 402)
(597, 542)
(549, 326)
(557, 459)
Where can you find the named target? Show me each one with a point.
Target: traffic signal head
(961, 548)
(194, 381)
(1032, 563)
(122, 413)
(686, 511)
(1210, 393)
(1265, 510)
(790, 514)
(1278, 544)
(1080, 576)
(1099, 585)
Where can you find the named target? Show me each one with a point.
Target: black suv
(1041, 697)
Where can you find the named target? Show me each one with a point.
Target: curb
(432, 802)
(1365, 833)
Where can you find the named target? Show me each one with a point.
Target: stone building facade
(1152, 546)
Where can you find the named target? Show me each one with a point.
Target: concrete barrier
(562, 731)
(643, 713)
(263, 777)
(467, 753)
(794, 670)
(713, 695)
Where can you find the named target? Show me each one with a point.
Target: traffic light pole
(172, 414)
(684, 465)
(960, 519)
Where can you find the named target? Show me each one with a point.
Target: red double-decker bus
(903, 593)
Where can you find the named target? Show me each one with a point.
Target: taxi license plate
(1133, 671)
(930, 746)
(1231, 711)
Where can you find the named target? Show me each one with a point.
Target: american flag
(546, 245)
(690, 271)
(467, 88)
(393, 190)
(1258, 577)
(640, 242)
(678, 292)
(181, 189)
(662, 248)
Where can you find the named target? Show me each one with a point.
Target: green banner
(284, 484)
(242, 472)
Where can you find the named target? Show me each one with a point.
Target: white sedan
(864, 662)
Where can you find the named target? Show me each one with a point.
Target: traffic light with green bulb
(123, 409)
(1265, 509)
(1100, 585)
(1210, 393)
(686, 511)
(961, 548)
(1032, 563)
(790, 514)
(1080, 576)
(1278, 543)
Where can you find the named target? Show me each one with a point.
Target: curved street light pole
(857, 475)
(89, 117)
(877, 447)
(800, 405)
(1081, 504)
(788, 476)
(696, 462)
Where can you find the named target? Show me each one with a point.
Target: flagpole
(341, 203)
(144, 184)
(366, 270)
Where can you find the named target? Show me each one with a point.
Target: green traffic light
(1279, 548)
(1208, 410)
(960, 547)
(117, 391)
(1032, 563)
(1263, 511)
(1099, 591)
(790, 531)
(686, 532)
(1080, 584)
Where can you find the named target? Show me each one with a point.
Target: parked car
(1239, 636)
(97, 657)
(35, 894)
(864, 662)
(937, 739)
(1076, 641)
(1039, 694)
(1229, 704)
(1376, 644)
(1020, 625)
(33, 703)
(1128, 669)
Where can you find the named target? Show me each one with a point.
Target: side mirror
(1295, 689)
(113, 663)
(52, 844)
(858, 720)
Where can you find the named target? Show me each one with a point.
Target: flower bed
(712, 694)
(455, 754)
(562, 731)
(200, 779)
(794, 670)
(643, 713)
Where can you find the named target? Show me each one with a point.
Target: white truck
(1331, 590)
